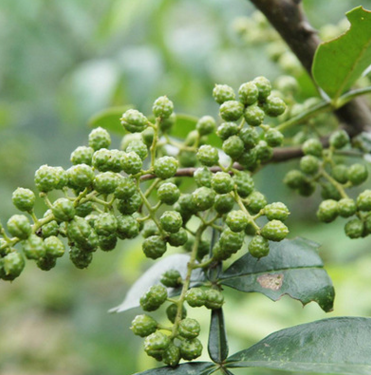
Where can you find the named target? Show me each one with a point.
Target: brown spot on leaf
(271, 281)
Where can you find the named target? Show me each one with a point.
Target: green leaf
(329, 346)
(109, 119)
(199, 368)
(152, 277)
(218, 343)
(292, 267)
(340, 62)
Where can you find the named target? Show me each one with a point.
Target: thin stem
(338, 186)
(243, 208)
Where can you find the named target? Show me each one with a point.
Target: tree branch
(288, 18)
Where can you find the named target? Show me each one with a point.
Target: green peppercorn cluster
(321, 167)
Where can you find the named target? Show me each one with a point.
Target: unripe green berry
(327, 211)
(50, 229)
(263, 151)
(354, 228)
(275, 230)
(53, 247)
(80, 176)
(13, 265)
(208, 155)
(165, 167)
(231, 241)
(179, 238)
(33, 247)
(244, 184)
(189, 328)
(168, 193)
(187, 159)
(99, 138)
(276, 211)
(226, 130)
(127, 227)
(287, 84)
(346, 207)
(195, 297)
(23, 199)
(364, 201)
(259, 247)
(190, 349)
(165, 124)
(172, 310)
(107, 243)
(163, 107)
(79, 232)
(171, 279)
(63, 209)
(106, 182)
(134, 121)
(84, 209)
(312, 147)
(274, 106)
(156, 343)
(294, 179)
(49, 178)
(203, 198)
(256, 201)
(233, 147)
(237, 220)
(129, 205)
(231, 110)
(357, 174)
(309, 164)
(273, 137)
(138, 147)
(171, 221)
(214, 299)
(223, 203)
(248, 93)
(205, 125)
(82, 155)
(148, 136)
(131, 163)
(101, 160)
(264, 86)
(223, 93)
(249, 137)
(143, 325)
(19, 226)
(105, 224)
(79, 258)
(254, 115)
(329, 191)
(339, 139)
(340, 173)
(47, 263)
(249, 159)
(222, 182)
(154, 247)
(154, 298)
(307, 188)
(203, 176)
(171, 355)
(126, 188)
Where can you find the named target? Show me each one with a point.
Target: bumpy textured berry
(138, 147)
(203, 177)
(179, 238)
(23, 199)
(237, 220)
(84, 209)
(131, 163)
(195, 297)
(248, 93)
(19, 226)
(307, 188)
(171, 279)
(208, 155)
(189, 328)
(82, 235)
(168, 193)
(276, 211)
(105, 224)
(80, 176)
(172, 310)
(340, 173)
(134, 121)
(274, 106)
(231, 110)
(205, 125)
(154, 247)
(259, 247)
(263, 151)
(50, 229)
(213, 299)
(148, 136)
(187, 158)
(364, 201)
(244, 184)
(357, 174)
(155, 344)
(346, 207)
(203, 198)
(309, 164)
(13, 265)
(49, 178)
(154, 298)
(53, 247)
(190, 349)
(99, 138)
(171, 221)
(227, 129)
(254, 115)
(47, 263)
(127, 227)
(186, 205)
(327, 211)
(143, 325)
(312, 147)
(275, 230)
(63, 209)
(249, 159)
(101, 160)
(264, 86)
(33, 247)
(223, 203)
(231, 241)
(125, 189)
(222, 182)
(233, 147)
(223, 93)
(107, 243)
(165, 167)
(129, 205)
(339, 139)
(329, 191)
(82, 155)
(171, 355)
(249, 137)
(354, 228)
(106, 182)
(287, 84)
(294, 179)
(167, 123)
(273, 137)
(163, 107)
(256, 201)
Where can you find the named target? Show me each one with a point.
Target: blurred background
(63, 61)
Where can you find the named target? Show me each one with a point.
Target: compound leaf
(340, 62)
(293, 267)
(194, 368)
(329, 346)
